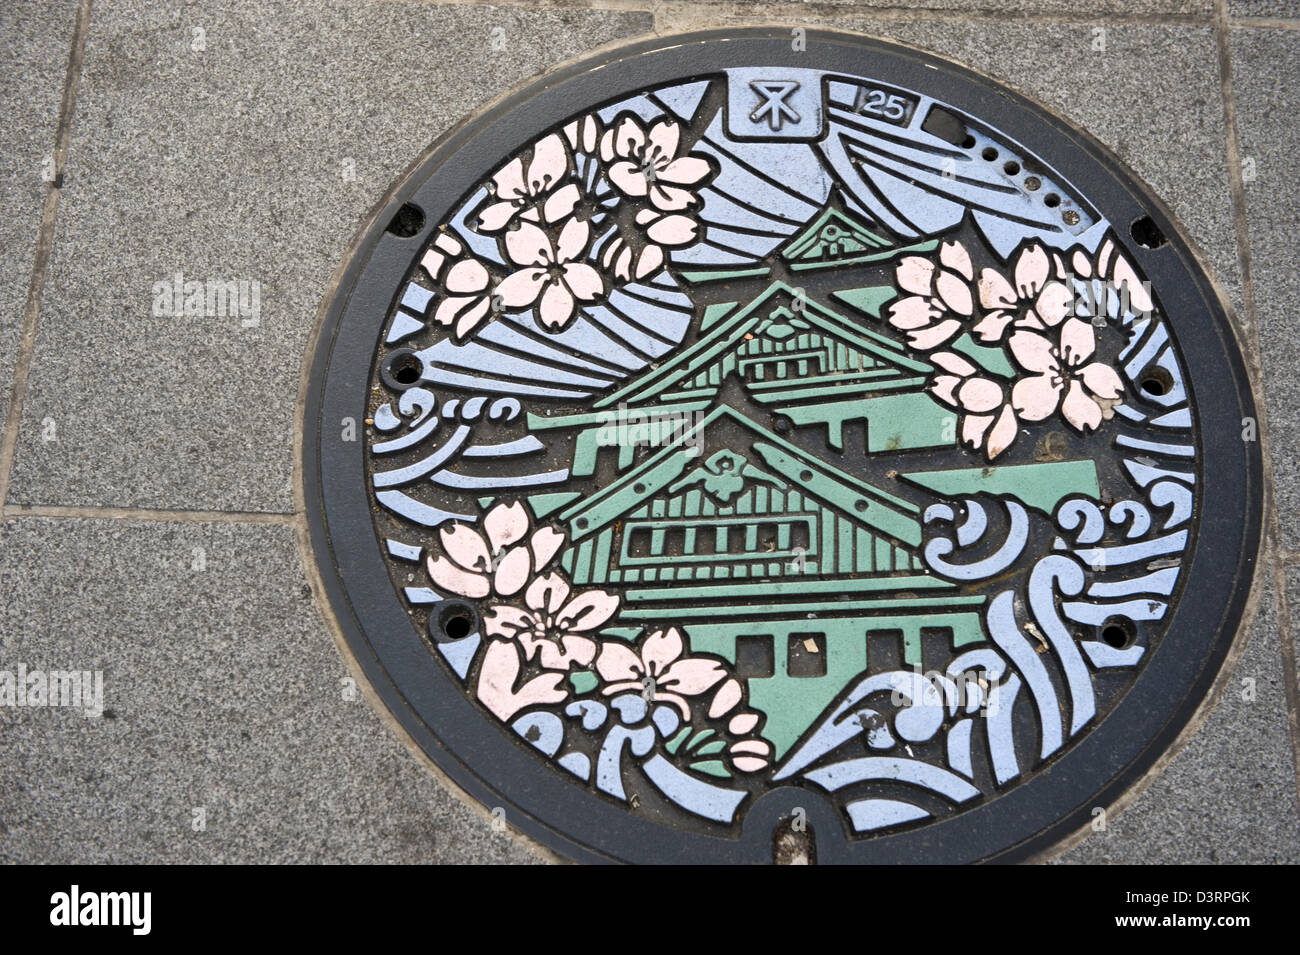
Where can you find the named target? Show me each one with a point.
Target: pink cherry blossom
(1113, 268)
(499, 560)
(988, 421)
(1062, 377)
(555, 623)
(660, 658)
(750, 755)
(1036, 301)
(533, 191)
(645, 163)
(498, 674)
(550, 271)
(658, 231)
(940, 301)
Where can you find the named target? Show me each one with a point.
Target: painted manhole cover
(778, 442)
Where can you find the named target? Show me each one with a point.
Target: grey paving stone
(1265, 76)
(215, 140)
(222, 691)
(1094, 8)
(1273, 9)
(35, 38)
(1230, 795)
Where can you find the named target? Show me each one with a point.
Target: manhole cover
(770, 445)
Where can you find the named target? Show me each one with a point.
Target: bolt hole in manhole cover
(729, 451)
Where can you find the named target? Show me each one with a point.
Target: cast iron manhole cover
(768, 443)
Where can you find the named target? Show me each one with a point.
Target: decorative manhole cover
(768, 442)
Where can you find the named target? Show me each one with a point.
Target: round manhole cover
(775, 445)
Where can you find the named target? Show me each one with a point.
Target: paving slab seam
(1272, 550)
(1263, 23)
(149, 514)
(44, 244)
(791, 11)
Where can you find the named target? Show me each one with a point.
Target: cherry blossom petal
(1124, 276)
(587, 611)
(1082, 267)
(467, 277)
(550, 163)
(529, 245)
(503, 621)
(509, 181)
(626, 139)
(1053, 303)
(1078, 342)
(512, 573)
(1032, 270)
(455, 307)
(573, 240)
(496, 680)
(687, 171)
(556, 310)
(561, 202)
(1003, 432)
(464, 545)
(583, 134)
(1033, 352)
(953, 363)
(915, 274)
(725, 700)
(954, 256)
(505, 524)
(471, 319)
(447, 576)
(1035, 397)
(979, 395)
(692, 676)
(583, 281)
(954, 293)
(1101, 380)
(670, 198)
(973, 427)
(1080, 410)
(521, 289)
(742, 723)
(749, 764)
(617, 661)
(570, 650)
(996, 291)
(547, 593)
(992, 327)
(942, 388)
(673, 230)
(664, 136)
(628, 178)
(911, 313)
(756, 746)
(661, 648)
(545, 544)
(495, 217)
(651, 260)
(927, 338)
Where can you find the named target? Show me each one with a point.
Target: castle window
(754, 656)
(806, 655)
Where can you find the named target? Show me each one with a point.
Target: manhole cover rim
(544, 807)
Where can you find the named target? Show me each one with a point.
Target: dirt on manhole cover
(766, 446)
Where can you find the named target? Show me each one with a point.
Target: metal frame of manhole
(1096, 614)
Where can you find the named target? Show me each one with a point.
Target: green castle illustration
(798, 573)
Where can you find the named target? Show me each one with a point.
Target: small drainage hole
(1011, 168)
(1033, 183)
(1156, 381)
(1146, 233)
(1116, 633)
(1051, 200)
(451, 620)
(402, 369)
(989, 153)
(408, 221)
